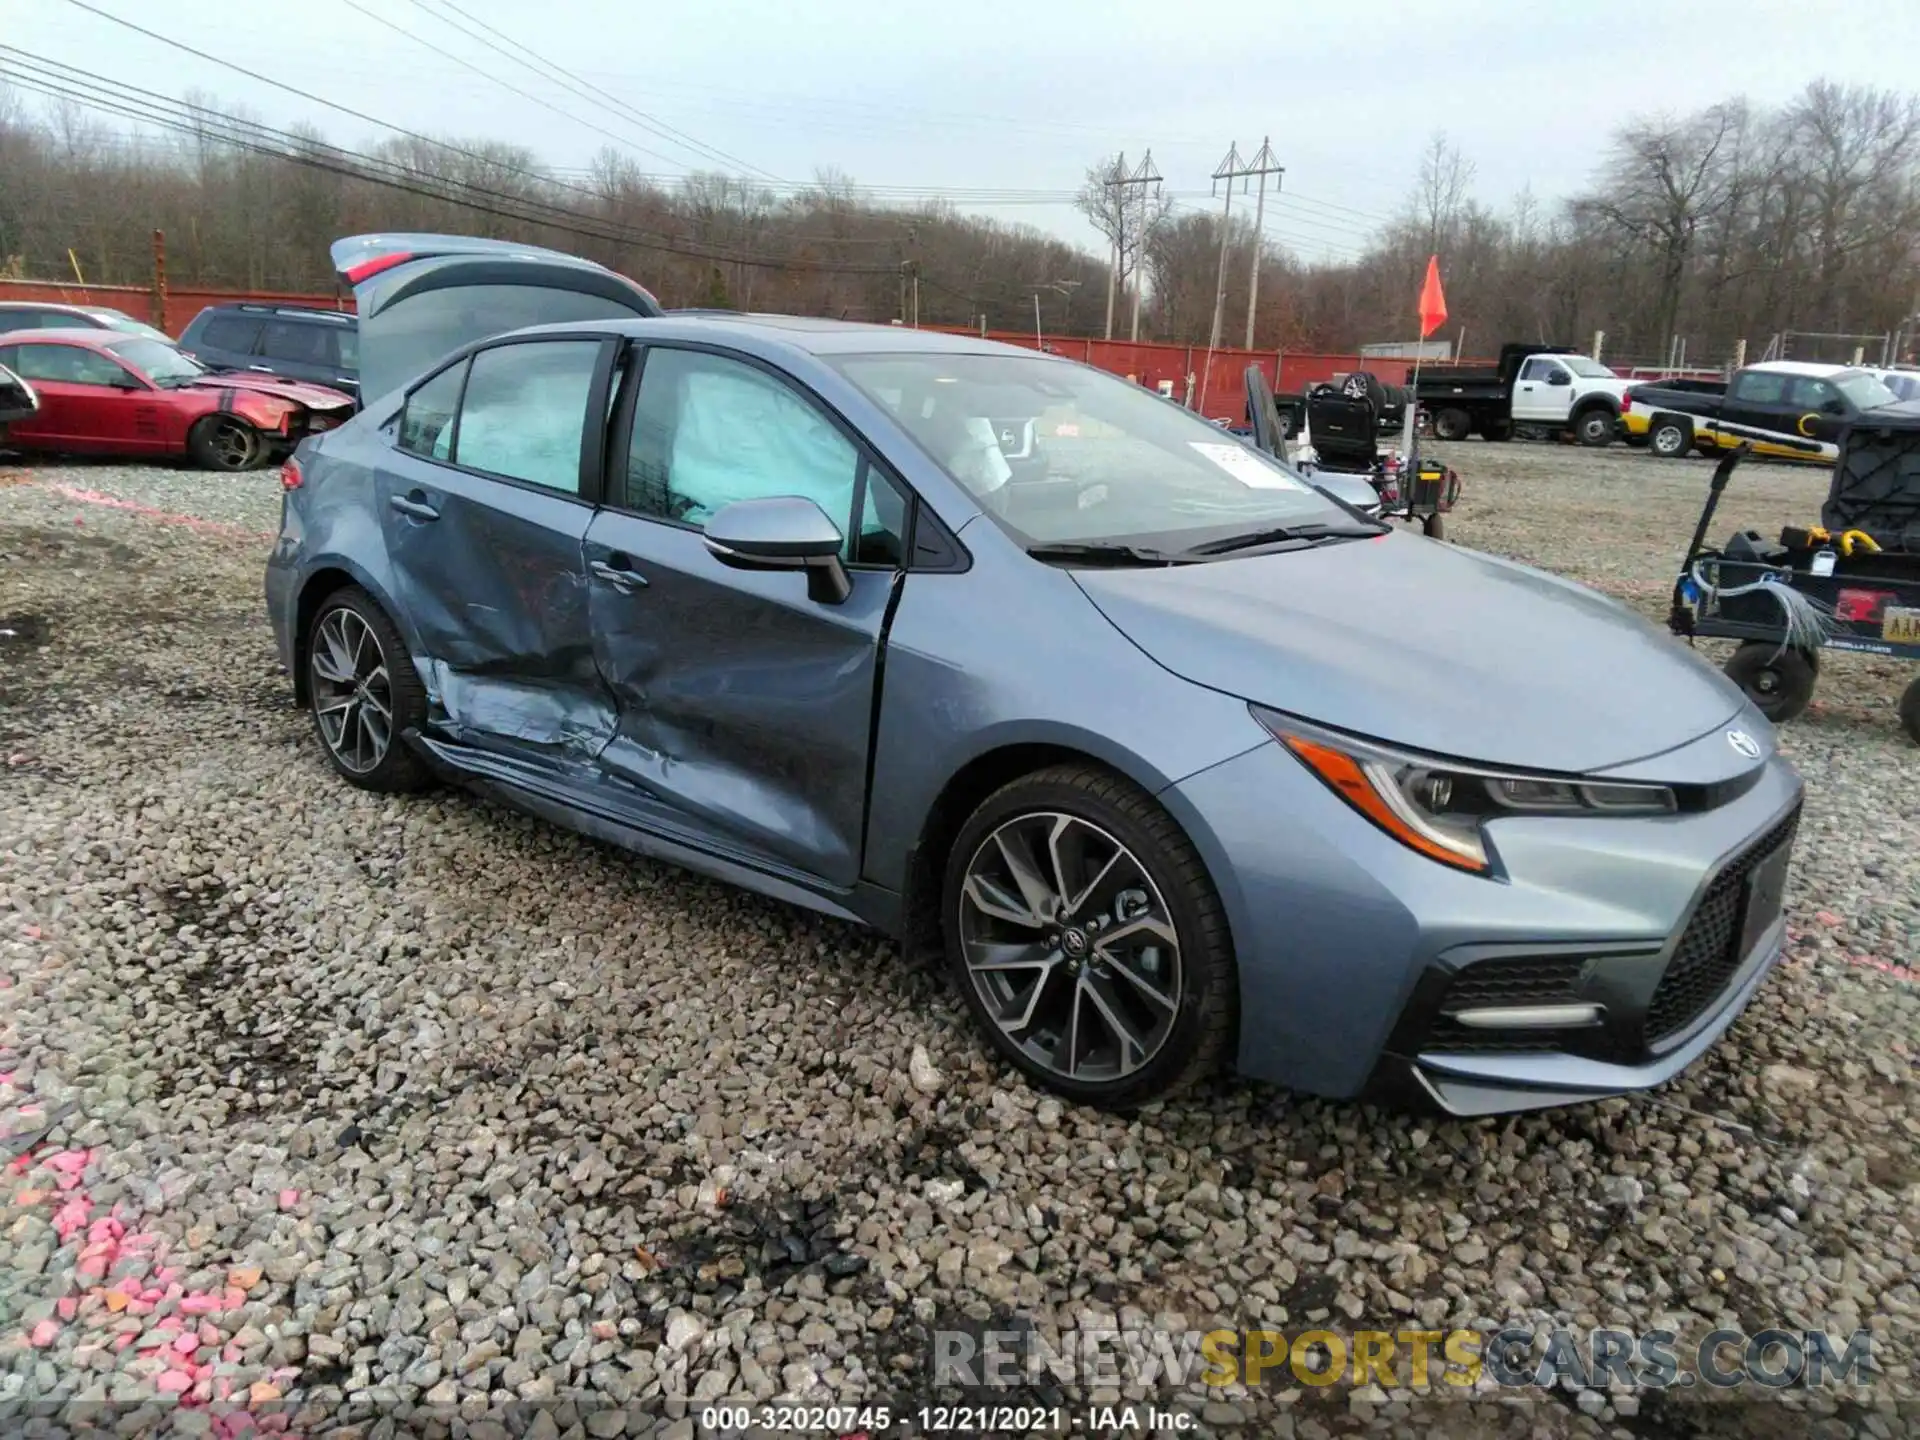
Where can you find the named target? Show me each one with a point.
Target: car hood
(1426, 645)
(314, 397)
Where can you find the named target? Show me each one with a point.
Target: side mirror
(1559, 377)
(127, 381)
(783, 532)
(1835, 407)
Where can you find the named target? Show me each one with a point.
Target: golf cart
(1850, 583)
(1343, 438)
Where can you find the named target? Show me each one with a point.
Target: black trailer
(1850, 583)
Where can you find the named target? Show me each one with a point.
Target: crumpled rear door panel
(496, 594)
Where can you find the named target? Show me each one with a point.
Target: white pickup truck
(1532, 386)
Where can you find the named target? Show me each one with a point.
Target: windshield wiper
(1280, 534)
(1104, 553)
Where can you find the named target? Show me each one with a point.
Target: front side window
(525, 411)
(708, 431)
(1536, 369)
(297, 343)
(1102, 461)
(426, 425)
(67, 364)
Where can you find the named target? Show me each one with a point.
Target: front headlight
(1440, 808)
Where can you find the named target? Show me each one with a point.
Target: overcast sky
(1015, 95)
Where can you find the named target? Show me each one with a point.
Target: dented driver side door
(484, 502)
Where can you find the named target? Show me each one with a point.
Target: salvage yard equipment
(1343, 434)
(1850, 583)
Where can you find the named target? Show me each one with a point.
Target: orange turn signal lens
(1371, 791)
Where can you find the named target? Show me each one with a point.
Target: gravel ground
(334, 1104)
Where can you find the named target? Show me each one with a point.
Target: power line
(199, 122)
(521, 55)
(503, 84)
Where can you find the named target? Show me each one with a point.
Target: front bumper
(1356, 955)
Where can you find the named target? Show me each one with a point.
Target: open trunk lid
(423, 296)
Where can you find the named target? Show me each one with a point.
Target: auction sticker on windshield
(1246, 467)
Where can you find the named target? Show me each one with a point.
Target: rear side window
(23, 320)
(1762, 387)
(67, 363)
(426, 426)
(230, 332)
(1811, 394)
(525, 411)
(300, 343)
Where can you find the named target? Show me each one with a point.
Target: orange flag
(1433, 300)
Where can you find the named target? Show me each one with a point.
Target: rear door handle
(415, 505)
(618, 576)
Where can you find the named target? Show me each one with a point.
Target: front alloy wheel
(1086, 937)
(1070, 947)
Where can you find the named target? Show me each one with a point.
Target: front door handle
(263, 369)
(415, 505)
(618, 576)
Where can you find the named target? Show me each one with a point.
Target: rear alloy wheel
(1779, 681)
(1285, 424)
(1670, 439)
(225, 442)
(1452, 424)
(1594, 428)
(364, 693)
(1086, 938)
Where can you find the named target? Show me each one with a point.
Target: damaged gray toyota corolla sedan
(1178, 761)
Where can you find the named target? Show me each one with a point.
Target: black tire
(1202, 1029)
(1669, 438)
(1595, 428)
(1779, 682)
(1497, 430)
(1910, 711)
(396, 769)
(1452, 424)
(1435, 527)
(226, 442)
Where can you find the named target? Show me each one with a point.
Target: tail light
(1626, 402)
(291, 476)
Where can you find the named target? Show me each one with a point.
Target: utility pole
(1228, 170)
(1120, 187)
(1263, 165)
(1144, 176)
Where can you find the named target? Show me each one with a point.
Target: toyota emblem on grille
(1744, 743)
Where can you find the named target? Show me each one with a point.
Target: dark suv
(291, 341)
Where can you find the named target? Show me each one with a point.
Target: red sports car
(105, 393)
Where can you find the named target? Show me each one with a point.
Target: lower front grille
(1523, 980)
(1708, 954)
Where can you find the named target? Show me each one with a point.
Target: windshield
(1587, 369)
(1059, 453)
(157, 360)
(1864, 390)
